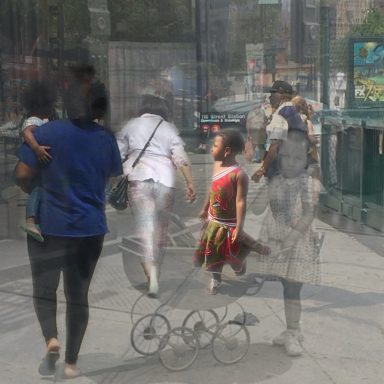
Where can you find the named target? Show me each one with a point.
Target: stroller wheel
(179, 349)
(230, 343)
(147, 333)
(204, 324)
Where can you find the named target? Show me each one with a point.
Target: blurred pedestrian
(72, 213)
(152, 180)
(287, 229)
(284, 117)
(255, 125)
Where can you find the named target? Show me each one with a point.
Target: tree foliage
(254, 24)
(372, 25)
(76, 19)
(22, 22)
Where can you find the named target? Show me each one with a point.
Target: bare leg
(147, 269)
(214, 283)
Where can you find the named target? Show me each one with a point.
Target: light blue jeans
(33, 202)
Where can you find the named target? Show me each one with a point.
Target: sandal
(47, 366)
(33, 233)
(71, 372)
(213, 286)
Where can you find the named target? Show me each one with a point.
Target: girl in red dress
(223, 240)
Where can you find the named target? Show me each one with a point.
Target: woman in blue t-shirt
(72, 215)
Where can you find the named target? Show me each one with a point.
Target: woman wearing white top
(151, 182)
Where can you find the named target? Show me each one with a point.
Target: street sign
(255, 63)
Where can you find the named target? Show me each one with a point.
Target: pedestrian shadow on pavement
(327, 297)
(262, 362)
(341, 298)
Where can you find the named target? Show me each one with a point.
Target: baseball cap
(281, 86)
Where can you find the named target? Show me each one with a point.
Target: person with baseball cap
(285, 117)
(290, 210)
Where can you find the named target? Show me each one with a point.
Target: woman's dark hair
(154, 105)
(233, 139)
(85, 98)
(39, 99)
(97, 100)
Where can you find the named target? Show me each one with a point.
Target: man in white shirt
(277, 129)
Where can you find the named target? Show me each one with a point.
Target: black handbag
(118, 198)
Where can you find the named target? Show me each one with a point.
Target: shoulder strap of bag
(146, 144)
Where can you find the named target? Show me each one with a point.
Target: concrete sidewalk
(343, 318)
(342, 321)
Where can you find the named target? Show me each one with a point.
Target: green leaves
(372, 25)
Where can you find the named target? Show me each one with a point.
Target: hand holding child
(43, 154)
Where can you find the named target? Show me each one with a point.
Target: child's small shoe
(213, 286)
(33, 230)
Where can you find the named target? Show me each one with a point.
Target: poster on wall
(367, 72)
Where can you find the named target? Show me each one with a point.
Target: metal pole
(199, 60)
(324, 57)
(60, 35)
(207, 59)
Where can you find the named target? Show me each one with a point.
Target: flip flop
(37, 236)
(47, 366)
(75, 374)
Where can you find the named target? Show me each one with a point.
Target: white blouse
(164, 154)
(277, 129)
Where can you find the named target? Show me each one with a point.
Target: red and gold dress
(215, 247)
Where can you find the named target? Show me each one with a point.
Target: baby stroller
(184, 319)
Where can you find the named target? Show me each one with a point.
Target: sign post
(255, 65)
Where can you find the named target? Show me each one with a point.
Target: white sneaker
(280, 340)
(153, 282)
(292, 345)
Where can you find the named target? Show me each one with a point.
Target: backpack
(293, 118)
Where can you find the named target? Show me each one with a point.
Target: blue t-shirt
(73, 182)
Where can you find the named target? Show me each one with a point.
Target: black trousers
(76, 258)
